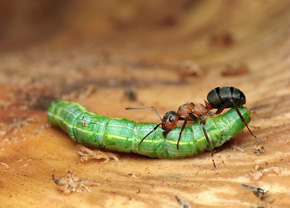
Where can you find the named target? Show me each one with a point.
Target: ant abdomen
(226, 95)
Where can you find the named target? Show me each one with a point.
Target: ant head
(169, 121)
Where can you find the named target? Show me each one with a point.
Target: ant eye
(171, 118)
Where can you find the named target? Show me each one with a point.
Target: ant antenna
(148, 135)
(134, 108)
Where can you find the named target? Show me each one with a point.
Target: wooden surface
(169, 54)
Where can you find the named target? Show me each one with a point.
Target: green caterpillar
(124, 135)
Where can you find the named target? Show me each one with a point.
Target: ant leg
(239, 113)
(182, 128)
(189, 117)
(243, 120)
(207, 139)
(222, 107)
(148, 135)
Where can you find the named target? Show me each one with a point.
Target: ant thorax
(201, 111)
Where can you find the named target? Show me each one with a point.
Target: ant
(218, 98)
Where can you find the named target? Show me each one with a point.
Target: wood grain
(169, 54)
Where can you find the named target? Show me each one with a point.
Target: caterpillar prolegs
(123, 135)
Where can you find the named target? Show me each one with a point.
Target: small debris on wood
(259, 150)
(221, 39)
(168, 20)
(238, 148)
(190, 69)
(4, 164)
(71, 183)
(263, 171)
(4, 105)
(11, 131)
(2, 133)
(87, 154)
(236, 69)
(87, 92)
(80, 94)
(130, 94)
(259, 192)
(43, 126)
(132, 175)
(182, 203)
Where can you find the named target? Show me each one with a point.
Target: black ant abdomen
(226, 95)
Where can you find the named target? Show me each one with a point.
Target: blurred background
(124, 43)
